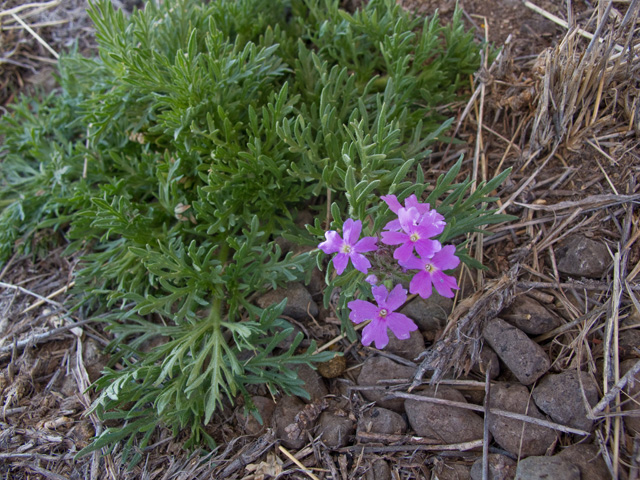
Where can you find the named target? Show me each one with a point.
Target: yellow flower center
(346, 248)
(383, 312)
(429, 268)
(414, 237)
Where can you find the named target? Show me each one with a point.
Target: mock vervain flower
(382, 316)
(417, 232)
(431, 273)
(410, 202)
(349, 247)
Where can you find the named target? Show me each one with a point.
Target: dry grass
(569, 124)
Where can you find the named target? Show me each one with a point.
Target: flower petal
(333, 242)
(401, 325)
(340, 262)
(404, 252)
(446, 258)
(366, 244)
(408, 218)
(351, 231)
(392, 202)
(421, 284)
(380, 293)
(394, 238)
(445, 284)
(360, 262)
(427, 248)
(376, 332)
(362, 310)
(396, 298)
(393, 225)
(413, 263)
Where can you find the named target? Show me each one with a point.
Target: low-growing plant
(172, 163)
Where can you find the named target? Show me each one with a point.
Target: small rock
(628, 342)
(588, 460)
(451, 471)
(379, 471)
(265, 407)
(560, 397)
(546, 468)
(582, 257)
(299, 302)
(530, 316)
(94, 359)
(525, 358)
(376, 369)
(429, 314)
(510, 433)
(333, 368)
(294, 434)
(633, 390)
(410, 348)
(381, 421)
(443, 422)
(487, 357)
(313, 383)
(335, 429)
(501, 467)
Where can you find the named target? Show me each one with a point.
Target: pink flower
(349, 247)
(382, 316)
(417, 231)
(431, 273)
(410, 202)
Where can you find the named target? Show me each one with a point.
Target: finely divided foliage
(170, 164)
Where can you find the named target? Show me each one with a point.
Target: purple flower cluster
(414, 231)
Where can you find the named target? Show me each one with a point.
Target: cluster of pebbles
(523, 381)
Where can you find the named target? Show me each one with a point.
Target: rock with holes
(429, 314)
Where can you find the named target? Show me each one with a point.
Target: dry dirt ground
(576, 164)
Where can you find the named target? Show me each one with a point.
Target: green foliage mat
(172, 162)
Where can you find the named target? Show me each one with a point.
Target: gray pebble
(517, 437)
(265, 407)
(443, 422)
(588, 460)
(429, 314)
(313, 383)
(287, 429)
(525, 358)
(335, 429)
(530, 316)
(383, 421)
(632, 423)
(410, 348)
(299, 301)
(379, 470)
(546, 468)
(501, 467)
(376, 369)
(560, 397)
(582, 257)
